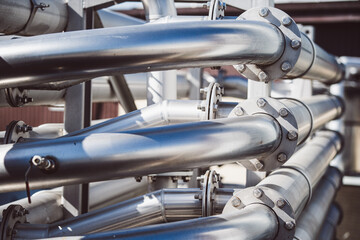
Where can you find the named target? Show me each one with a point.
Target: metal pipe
(313, 113)
(140, 152)
(46, 206)
(166, 205)
(122, 92)
(300, 174)
(164, 113)
(111, 18)
(224, 226)
(91, 53)
(22, 17)
(328, 229)
(315, 63)
(311, 219)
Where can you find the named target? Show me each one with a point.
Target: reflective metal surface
(92, 53)
(22, 18)
(139, 152)
(243, 225)
(314, 214)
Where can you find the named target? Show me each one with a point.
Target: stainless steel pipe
(148, 47)
(300, 174)
(47, 205)
(243, 225)
(316, 64)
(328, 228)
(162, 206)
(139, 152)
(21, 17)
(313, 216)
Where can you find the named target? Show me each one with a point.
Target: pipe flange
(16, 131)
(16, 97)
(288, 135)
(270, 198)
(209, 183)
(214, 94)
(292, 38)
(11, 216)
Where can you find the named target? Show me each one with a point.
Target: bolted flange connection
(288, 134)
(209, 183)
(291, 44)
(269, 197)
(214, 94)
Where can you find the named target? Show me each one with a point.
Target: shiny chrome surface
(315, 63)
(314, 214)
(324, 108)
(300, 174)
(98, 52)
(139, 152)
(332, 219)
(15, 16)
(226, 226)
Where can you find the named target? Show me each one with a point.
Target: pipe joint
(288, 133)
(291, 45)
(270, 198)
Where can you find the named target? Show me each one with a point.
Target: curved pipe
(224, 226)
(21, 17)
(139, 152)
(142, 48)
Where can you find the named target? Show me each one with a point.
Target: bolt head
(295, 44)
(281, 157)
(280, 203)
(257, 192)
(286, 21)
(239, 111)
(292, 135)
(263, 12)
(261, 102)
(241, 68)
(263, 76)
(286, 66)
(289, 225)
(236, 202)
(259, 166)
(283, 112)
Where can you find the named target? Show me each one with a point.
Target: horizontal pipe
(224, 226)
(21, 17)
(165, 205)
(300, 174)
(316, 64)
(139, 152)
(313, 216)
(141, 48)
(332, 219)
(46, 206)
(313, 113)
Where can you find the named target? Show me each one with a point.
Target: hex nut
(295, 44)
(257, 192)
(236, 202)
(263, 12)
(289, 225)
(283, 112)
(292, 135)
(286, 66)
(286, 21)
(261, 102)
(281, 157)
(239, 111)
(280, 203)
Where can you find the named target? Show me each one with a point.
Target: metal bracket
(11, 216)
(292, 38)
(287, 123)
(214, 94)
(16, 97)
(16, 131)
(272, 199)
